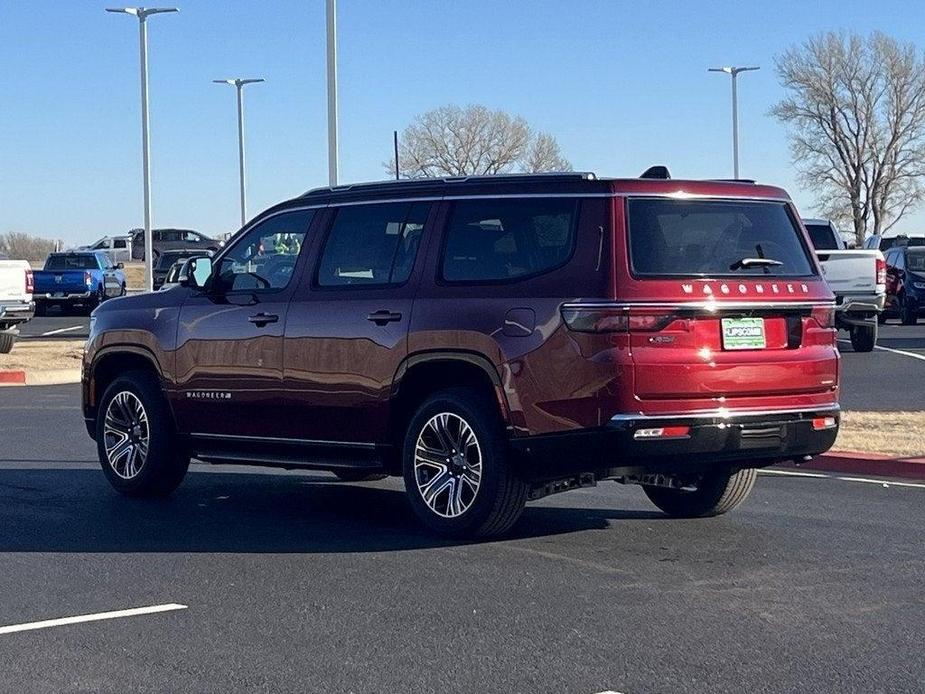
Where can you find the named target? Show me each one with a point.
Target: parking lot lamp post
(143, 13)
(238, 84)
(734, 73)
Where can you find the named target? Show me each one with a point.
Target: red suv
(491, 339)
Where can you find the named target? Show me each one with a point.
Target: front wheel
(135, 439)
(864, 337)
(457, 469)
(6, 342)
(713, 494)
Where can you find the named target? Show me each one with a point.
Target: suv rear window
(715, 238)
(492, 240)
(822, 237)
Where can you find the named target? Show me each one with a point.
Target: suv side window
(507, 239)
(372, 245)
(191, 237)
(263, 258)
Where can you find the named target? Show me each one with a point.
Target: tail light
(822, 423)
(824, 316)
(30, 282)
(673, 432)
(881, 271)
(88, 279)
(615, 319)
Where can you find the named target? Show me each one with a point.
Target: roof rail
(543, 176)
(750, 181)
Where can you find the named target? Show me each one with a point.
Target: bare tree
(543, 154)
(20, 246)
(454, 141)
(856, 106)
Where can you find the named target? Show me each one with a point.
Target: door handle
(261, 319)
(383, 317)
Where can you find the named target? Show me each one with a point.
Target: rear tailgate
(728, 305)
(13, 275)
(851, 272)
(61, 281)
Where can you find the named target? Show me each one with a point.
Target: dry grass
(43, 355)
(134, 275)
(901, 434)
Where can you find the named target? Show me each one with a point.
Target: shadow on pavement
(74, 510)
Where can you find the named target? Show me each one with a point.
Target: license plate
(743, 333)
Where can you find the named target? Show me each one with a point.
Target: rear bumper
(76, 297)
(854, 309)
(743, 438)
(14, 314)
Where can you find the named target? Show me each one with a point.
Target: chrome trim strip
(682, 195)
(271, 439)
(701, 305)
(722, 413)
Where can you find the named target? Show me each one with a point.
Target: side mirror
(196, 272)
(120, 266)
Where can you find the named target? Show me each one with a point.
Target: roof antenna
(656, 172)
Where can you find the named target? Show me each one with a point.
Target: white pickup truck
(16, 305)
(857, 278)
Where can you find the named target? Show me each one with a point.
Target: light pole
(143, 13)
(238, 84)
(734, 73)
(331, 13)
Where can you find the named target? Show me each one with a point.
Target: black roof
(565, 182)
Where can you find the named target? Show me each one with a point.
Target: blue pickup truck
(72, 279)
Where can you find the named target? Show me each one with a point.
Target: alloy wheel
(126, 435)
(448, 464)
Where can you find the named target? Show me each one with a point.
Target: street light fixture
(238, 84)
(734, 72)
(142, 13)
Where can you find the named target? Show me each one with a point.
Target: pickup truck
(77, 278)
(856, 277)
(16, 305)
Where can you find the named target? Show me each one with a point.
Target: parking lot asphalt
(294, 583)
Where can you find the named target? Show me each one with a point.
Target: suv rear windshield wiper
(754, 262)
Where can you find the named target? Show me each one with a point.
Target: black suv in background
(172, 239)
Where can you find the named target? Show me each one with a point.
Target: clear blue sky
(622, 85)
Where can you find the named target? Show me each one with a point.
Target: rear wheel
(864, 337)
(457, 469)
(713, 494)
(40, 308)
(6, 342)
(882, 317)
(908, 315)
(135, 438)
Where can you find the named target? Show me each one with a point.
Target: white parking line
(61, 330)
(99, 616)
(895, 351)
(864, 480)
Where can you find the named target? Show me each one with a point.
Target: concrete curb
(867, 464)
(48, 377)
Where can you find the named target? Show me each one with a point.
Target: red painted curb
(13, 377)
(870, 464)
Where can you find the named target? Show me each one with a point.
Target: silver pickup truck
(856, 277)
(16, 305)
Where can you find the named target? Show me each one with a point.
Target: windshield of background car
(167, 259)
(822, 237)
(71, 262)
(715, 238)
(915, 260)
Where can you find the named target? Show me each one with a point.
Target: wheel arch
(113, 360)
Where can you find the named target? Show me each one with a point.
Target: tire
(499, 495)
(122, 293)
(908, 315)
(359, 476)
(864, 337)
(882, 318)
(41, 308)
(164, 466)
(7, 340)
(717, 493)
